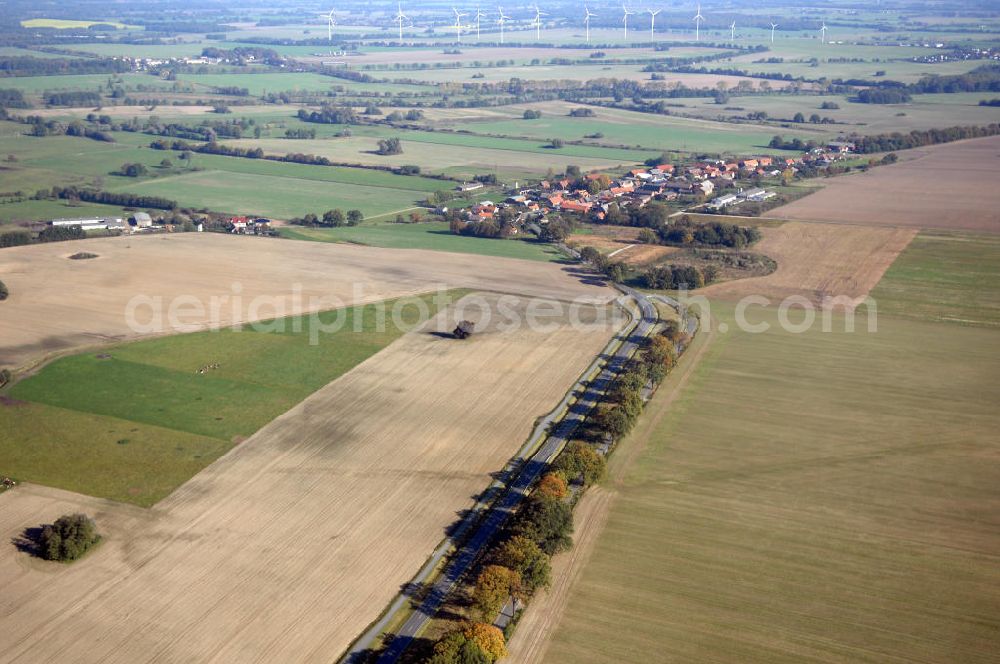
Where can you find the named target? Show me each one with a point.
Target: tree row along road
(529, 472)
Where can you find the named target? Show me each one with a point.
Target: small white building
(470, 186)
(723, 201)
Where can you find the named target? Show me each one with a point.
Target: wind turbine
(732, 32)
(400, 17)
(479, 15)
(500, 21)
(330, 22)
(773, 26)
(698, 18)
(652, 22)
(538, 22)
(458, 24)
(625, 19)
(823, 32)
(586, 21)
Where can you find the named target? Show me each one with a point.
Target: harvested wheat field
(817, 261)
(950, 186)
(287, 547)
(57, 304)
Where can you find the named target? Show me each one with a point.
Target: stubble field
(284, 549)
(57, 304)
(819, 497)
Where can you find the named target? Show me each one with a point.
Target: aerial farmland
(404, 332)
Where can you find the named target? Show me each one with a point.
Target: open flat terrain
(136, 420)
(816, 261)
(817, 497)
(57, 304)
(285, 548)
(950, 186)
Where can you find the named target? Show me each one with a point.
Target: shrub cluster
(68, 538)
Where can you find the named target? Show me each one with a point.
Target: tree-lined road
(529, 472)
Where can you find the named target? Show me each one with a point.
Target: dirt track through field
(284, 549)
(951, 186)
(56, 304)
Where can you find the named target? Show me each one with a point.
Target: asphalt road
(530, 471)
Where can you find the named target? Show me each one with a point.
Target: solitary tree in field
(354, 217)
(68, 538)
(3, 291)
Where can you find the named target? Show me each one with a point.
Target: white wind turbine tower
(586, 21)
(625, 19)
(458, 24)
(400, 17)
(732, 32)
(823, 32)
(500, 21)
(698, 18)
(479, 15)
(652, 22)
(773, 26)
(330, 22)
(538, 22)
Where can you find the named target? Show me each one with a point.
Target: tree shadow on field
(28, 541)
(586, 277)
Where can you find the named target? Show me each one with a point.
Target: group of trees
(331, 219)
(676, 277)
(330, 114)
(883, 96)
(13, 98)
(813, 119)
(61, 233)
(390, 146)
(122, 199)
(132, 170)
(532, 114)
(613, 270)
(687, 232)
(470, 643)
(72, 98)
(918, 138)
(68, 538)
(28, 65)
(15, 238)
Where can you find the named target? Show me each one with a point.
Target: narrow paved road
(529, 473)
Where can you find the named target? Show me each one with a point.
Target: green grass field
(947, 277)
(427, 235)
(654, 132)
(820, 497)
(272, 196)
(135, 425)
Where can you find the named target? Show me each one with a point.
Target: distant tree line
(13, 98)
(330, 114)
(331, 219)
(26, 65)
(106, 197)
(72, 98)
(918, 138)
(883, 96)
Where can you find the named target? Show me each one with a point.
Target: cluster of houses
(663, 182)
(249, 226)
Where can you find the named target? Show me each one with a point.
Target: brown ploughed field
(951, 186)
